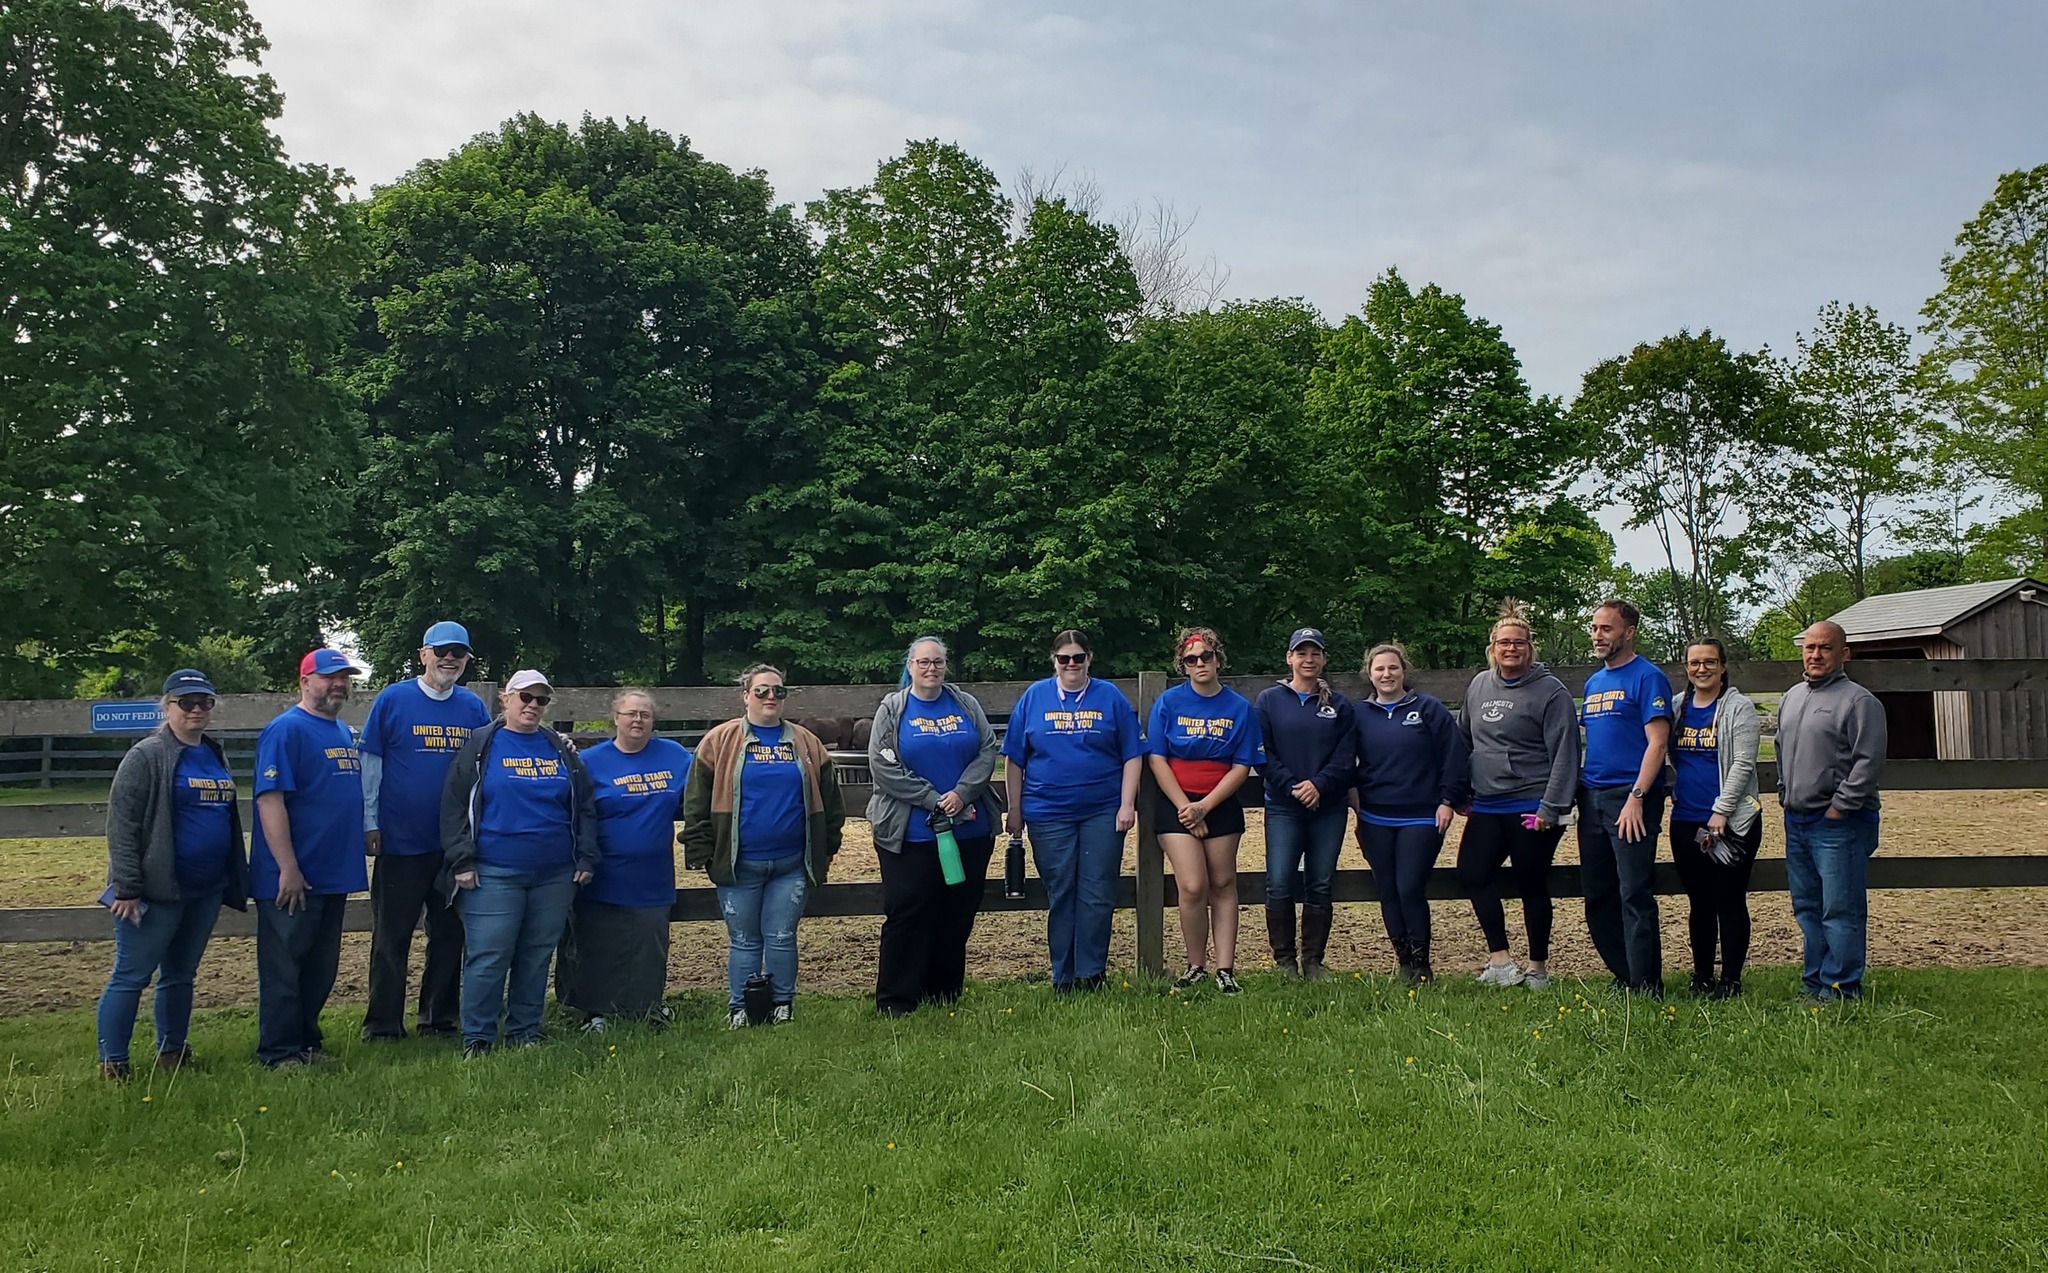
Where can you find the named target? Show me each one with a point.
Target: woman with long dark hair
(1204, 741)
(1716, 818)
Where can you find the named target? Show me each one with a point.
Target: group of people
(519, 851)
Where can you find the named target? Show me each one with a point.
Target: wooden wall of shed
(1951, 709)
(2006, 726)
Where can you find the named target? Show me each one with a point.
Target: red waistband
(1197, 777)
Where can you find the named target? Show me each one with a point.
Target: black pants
(1621, 894)
(1494, 838)
(926, 923)
(401, 886)
(297, 956)
(1719, 896)
(1401, 859)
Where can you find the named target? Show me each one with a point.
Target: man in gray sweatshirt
(1831, 745)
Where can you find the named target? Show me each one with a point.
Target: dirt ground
(1955, 928)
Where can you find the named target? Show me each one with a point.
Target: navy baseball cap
(447, 633)
(1306, 636)
(326, 661)
(188, 680)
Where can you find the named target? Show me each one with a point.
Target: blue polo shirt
(1073, 748)
(314, 762)
(639, 802)
(202, 834)
(771, 812)
(1620, 704)
(528, 804)
(937, 741)
(416, 737)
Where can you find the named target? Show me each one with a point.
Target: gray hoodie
(1831, 745)
(1525, 739)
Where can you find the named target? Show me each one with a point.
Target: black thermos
(1013, 868)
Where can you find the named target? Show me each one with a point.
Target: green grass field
(1338, 1126)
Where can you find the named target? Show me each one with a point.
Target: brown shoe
(114, 1071)
(179, 1059)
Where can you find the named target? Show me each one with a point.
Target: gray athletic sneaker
(736, 1019)
(1536, 980)
(1506, 974)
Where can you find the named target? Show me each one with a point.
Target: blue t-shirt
(528, 804)
(1698, 762)
(937, 742)
(416, 738)
(639, 801)
(1620, 702)
(1073, 748)
(202, 832)
(314, 762)
(771, 821)
(1506, 806)
(1189, 725)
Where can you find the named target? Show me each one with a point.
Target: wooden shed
(2004, 619)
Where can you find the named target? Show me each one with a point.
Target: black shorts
(1225, 819)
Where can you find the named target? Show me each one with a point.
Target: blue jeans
(512, 920)
(1079, 862)
(1827, 864)
(761, 908)
(168, 943)
(1301, 852)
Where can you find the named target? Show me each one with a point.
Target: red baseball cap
(326, 661)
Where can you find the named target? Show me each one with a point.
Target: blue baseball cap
(1306, 636)
(188, 680)
(447, 633)
(326, 661)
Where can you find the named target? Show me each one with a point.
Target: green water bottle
(949, 850)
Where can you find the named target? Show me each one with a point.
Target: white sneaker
(736, 1019)
(1506, 974)
(1536, 980)
(594, 1026)
(780, 1016)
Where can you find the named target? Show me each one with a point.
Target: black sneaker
(1191, 978)
(1097, 982)
(1702, 984)
(474, 1049)
(1226, 982)
(1728, 988)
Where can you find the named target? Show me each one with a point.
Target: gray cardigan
(142, 851)
(898, 790)
(1738, 732)
(462, 805)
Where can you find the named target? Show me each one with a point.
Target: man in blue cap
(305, 858)
(413, 733)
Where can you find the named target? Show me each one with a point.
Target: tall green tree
(175, 290)
(1681, 430)
(1430, 452)
(581, 353)
(1987, 359)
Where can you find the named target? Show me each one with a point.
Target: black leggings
(1719, 896)
(1491, 839)
(1401, 859)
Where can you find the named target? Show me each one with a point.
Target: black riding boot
(1280, 932)
(1315, 939)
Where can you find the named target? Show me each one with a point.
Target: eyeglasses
(1198, 658)
(1510, 644)
(1701, 664)
(451, 651)
(771, 691)
(197, 702)
(643, 715)
(535, 700)
(1070, 660)
(931, 665)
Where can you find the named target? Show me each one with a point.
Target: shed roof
(1925, 612)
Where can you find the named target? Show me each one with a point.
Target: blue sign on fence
(124, 718)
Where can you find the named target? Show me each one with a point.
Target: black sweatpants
(401, 887)
(1491, 839)
(1401, 859)
(1719, 896)
(926, 923)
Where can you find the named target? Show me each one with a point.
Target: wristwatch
(1635, 793)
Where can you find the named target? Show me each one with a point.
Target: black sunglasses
(451, 651)
(541, 700)
(1068, 660)
(197, 702)
(771, 691)
(1198, 658)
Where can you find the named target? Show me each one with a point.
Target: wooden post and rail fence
(1150, 890)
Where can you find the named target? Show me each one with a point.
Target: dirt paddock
(1947, 928)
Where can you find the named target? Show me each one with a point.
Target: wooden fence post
(49, 745)
(1151, 890)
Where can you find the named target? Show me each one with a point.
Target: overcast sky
(1587, 175)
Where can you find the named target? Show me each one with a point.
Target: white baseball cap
(526, 678)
